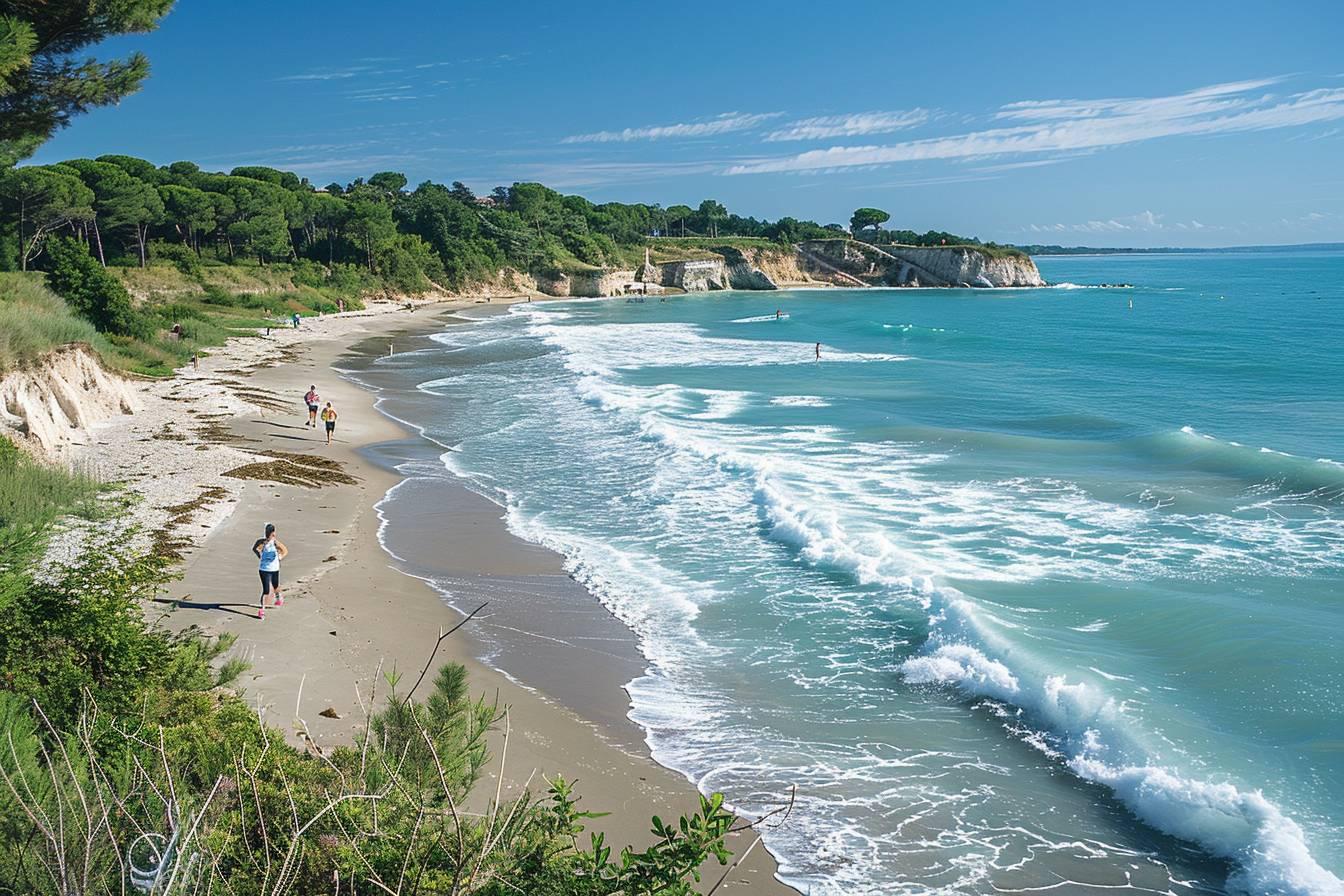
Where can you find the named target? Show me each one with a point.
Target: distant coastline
(1040, 251)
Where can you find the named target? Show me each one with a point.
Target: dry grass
(34, 321)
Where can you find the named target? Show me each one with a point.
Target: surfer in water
(778, 314)
(818, 351)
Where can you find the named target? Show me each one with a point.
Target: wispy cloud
(1143, 222)
(336, 75)
(384, 92)
(591, 172)
(934, 181)
(856, 124)
(1030, 163)
(726, 123)
(1061, 126)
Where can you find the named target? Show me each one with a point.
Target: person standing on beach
(312, 400)
(270, 551)
(329, 416)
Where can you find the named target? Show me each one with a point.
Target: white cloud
(854, 125)
(1029, 163)
(590, 172)
(1144, 222)
(726, 123)
(1054, 126)
(324, 76)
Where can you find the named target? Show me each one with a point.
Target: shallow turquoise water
(1022, 589)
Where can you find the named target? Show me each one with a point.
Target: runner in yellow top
(329, 418)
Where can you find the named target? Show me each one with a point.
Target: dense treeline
(127, 211)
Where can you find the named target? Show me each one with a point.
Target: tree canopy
(867, 217)
(42, 81)
(121, 207)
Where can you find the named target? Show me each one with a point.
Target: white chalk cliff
(52, 404)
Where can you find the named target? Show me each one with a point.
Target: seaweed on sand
(295, 469)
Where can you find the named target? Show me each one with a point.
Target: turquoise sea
(1024, 590)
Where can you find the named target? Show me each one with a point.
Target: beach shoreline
(351, 614)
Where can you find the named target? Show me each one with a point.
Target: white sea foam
(1096, 626)
(800, 401)
(606, 348)
(1084, 724)
(866, 510)
(1087, 729)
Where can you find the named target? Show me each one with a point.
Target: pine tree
(42, 81)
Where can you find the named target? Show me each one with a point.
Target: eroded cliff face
(850, 262)
(588, 284)
(734, 269)
(957, 267)
(52, 404)
(784, 266)
(836, 262)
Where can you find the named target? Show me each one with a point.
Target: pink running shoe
(261, 613)
(279, 601)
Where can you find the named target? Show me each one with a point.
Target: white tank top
(270, 556)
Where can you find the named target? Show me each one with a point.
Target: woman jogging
(312, 400)
(270, 551)
(329, 416)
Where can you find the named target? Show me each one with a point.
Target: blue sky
(1169, 123)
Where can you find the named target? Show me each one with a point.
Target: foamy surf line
(1084, 731)
(1077, 723)
(1241, 826)
(1072, 715)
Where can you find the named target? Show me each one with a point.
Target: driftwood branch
(429, 664)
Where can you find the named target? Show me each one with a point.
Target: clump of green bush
(90, 290)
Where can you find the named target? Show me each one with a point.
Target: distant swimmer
(778, 314)
(818, 351)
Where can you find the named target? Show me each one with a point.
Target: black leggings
(270, 580)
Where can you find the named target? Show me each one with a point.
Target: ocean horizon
(1019, 588)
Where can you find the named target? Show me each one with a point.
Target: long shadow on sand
(251, 609)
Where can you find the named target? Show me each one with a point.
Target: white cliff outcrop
(848, 261)
(839, 262)
(51, 404)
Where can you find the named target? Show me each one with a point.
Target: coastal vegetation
(121, 735)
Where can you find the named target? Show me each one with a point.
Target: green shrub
(218, 295)
(181, 257)
(309, 273)
(90, 290)
(350, 280)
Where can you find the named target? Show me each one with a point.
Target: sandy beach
(231, 453)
